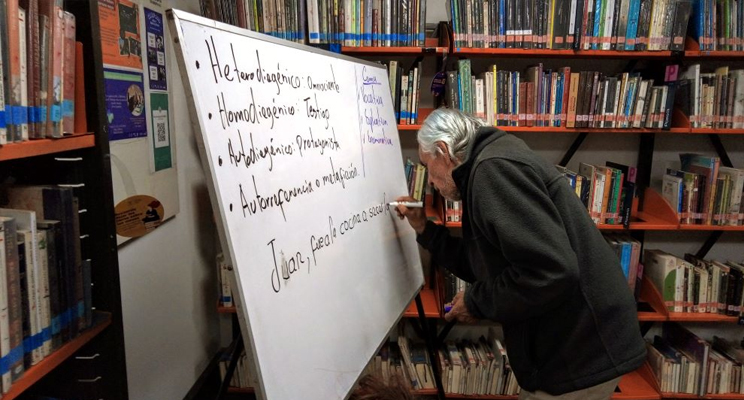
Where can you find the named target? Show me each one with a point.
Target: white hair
(452, 127)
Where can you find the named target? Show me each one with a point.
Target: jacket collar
(483, 137)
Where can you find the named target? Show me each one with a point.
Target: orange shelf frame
(465, 51)
(479, 397)
(711, 131)
(430, 301)
(31, 148)
(414, 51)
(40, 370)
(692, 50)
(637, 385)
(225, 310)
(423, 113)
(685, 227)
(425, 392)
(431, 47)
(650, 295)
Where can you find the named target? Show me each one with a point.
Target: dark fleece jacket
(539, 266)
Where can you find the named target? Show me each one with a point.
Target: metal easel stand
(236, 350)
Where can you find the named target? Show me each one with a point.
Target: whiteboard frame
(174, 18)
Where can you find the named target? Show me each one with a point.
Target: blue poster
(155, 49)
(125, 104)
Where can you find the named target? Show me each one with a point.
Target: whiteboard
(301, 151)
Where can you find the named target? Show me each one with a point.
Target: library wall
(168, 279)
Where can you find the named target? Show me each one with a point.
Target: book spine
(4, 318)
(23, 59)
(15, 306)
(68, 73)
(55, 97)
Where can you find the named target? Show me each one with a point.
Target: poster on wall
(125, 104)
(121, 42)
(139, 110)
(161, 148)
(155, 50)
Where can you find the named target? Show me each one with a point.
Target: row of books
(404, 360)
(622, 25)
(416, 176)
(560, 98)
(606, 191)
(685, 363)
(406, 90)
(718, 25)
(38, 57)
(712, 100)
(346, 22)
(685, 193)
(694, 285)
(478, 367)
(224, 277)
(628, 251)
(45, 290)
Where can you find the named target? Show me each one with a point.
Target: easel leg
(236, 352)
(430, 347)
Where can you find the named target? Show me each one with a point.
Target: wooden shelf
(712, 131)
(480, 397)
(430, 302)
(701, 317)
(31, 148)
(225, 310)
(236, 390)
(637, 386)
(650, 296)
(414, 51)
(101, 320)
(692, 50)
(431, 47)
(423, 113)
(464, 51)
(686, 227)
(425, 392)
(553, 129)
(727, 396)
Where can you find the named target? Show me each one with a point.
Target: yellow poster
(138, 215)
(121, 41)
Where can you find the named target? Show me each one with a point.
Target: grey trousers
(603, 391)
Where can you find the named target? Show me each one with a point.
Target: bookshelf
(655, 215)
(33, 148)
(91, 364)
(40, 370)
(532, 53)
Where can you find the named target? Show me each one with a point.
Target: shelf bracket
(722, 154)
(572, 150)
(234, 356)
(645, 161)
(712, 239)
(430, 347)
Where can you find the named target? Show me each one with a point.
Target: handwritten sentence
(284, 267)
(258, 202)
